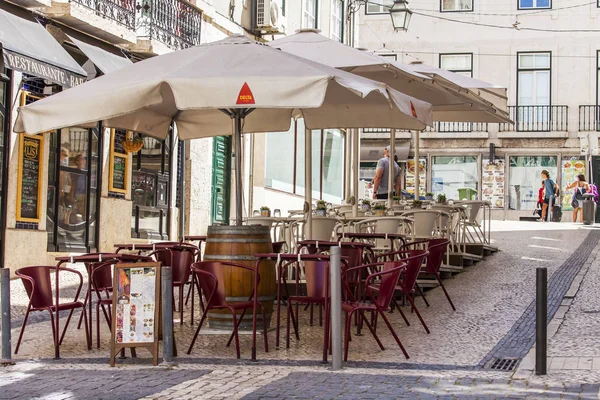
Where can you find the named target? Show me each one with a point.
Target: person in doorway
(550, 192)
(381, 180)
(581, 187)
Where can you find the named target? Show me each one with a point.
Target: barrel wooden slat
(239, 244)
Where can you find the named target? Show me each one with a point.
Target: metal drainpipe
(182, 190)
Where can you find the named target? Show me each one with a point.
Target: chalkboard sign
(135, 308)
(29, 179)
(119, 165)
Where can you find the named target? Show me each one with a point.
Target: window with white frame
(533, 89)
(389, 56)
(456, 5)
(379, 6)
(337, 20)
(309, 13)
(461, 63)
(529, 4)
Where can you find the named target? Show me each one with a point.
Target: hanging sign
(135, 304)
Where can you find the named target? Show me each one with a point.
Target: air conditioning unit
(269, 18)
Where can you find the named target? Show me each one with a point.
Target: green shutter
(221, 180)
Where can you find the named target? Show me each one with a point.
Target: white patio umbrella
(204, 89)
(451, 101)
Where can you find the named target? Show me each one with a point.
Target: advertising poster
(136, 302)
(493, 182)
(571, 167)
(411, 173)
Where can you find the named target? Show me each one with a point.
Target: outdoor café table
(91, 260)
(314, 246)
(367, 236)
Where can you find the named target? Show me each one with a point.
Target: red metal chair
(38, 286)
(414, 260)
(209, 275)
(179, 257)
(102, 282)
(388, 279)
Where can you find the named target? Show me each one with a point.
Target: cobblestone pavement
(490, 298)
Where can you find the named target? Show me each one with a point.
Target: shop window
(456, 5)
(73, 193)
(379, 6)
(151, 189)
(310, 13)
(285, 162)
(526, 180)
(4, 134)
(532, 4)
(456, 177)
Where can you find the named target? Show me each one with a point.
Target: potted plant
(265, 211)
(379, 209)
(321, 209)
(441, 198)
(417, 204)
(429, 196)
(365, 205)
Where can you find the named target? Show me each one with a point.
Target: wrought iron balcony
(445, 127)
(121, 11)
(537, 119)
(589, 118)
(175, 23)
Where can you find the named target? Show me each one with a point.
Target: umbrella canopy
(192, 87)
(451, 102)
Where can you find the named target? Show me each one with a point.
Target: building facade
(545, 52)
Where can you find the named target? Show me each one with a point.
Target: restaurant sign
(41, 69)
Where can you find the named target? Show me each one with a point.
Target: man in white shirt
(380, 182)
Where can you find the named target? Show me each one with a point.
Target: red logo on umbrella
(245, 96)
(413, 109)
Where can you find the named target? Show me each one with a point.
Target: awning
(102, 59)
(371, 153)
(27, 47)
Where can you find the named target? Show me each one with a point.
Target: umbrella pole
(237, 143)
(355, 170)
(308, 183)
(392, 169)
(417, 167)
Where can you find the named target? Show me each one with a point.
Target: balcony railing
(537, 119)
(446, 127)
(121, 11)
(589, 118)
(175, 23)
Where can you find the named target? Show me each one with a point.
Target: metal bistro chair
(389, 225)
(209, 275)
(38, 286)
(380, 304)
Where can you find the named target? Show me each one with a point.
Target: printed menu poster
(493, 183)
(135, 305)
(571, 167)
(410, 176)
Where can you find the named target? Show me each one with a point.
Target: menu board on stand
(493, 182)
(411, 174)
(571, 167)
(135, 308)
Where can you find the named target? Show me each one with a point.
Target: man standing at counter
(380, 182)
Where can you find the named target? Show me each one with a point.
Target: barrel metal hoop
(242, 299)
(227, 257)
(237, 240)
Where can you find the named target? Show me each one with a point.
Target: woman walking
(550, 192)
(581, 188)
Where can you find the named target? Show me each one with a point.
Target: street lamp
(400, 14)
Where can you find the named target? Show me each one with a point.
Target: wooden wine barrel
(239, 244)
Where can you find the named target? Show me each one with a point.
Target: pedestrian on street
(550, 192)
(540, 203)
(581, 188)
(381, 180)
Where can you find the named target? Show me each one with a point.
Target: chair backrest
(316, 274)
(278, 246)
(424, 223)
(437, 249)
(322, 228)
(40, 291)
(102, 276)
(414, 261)
(209, 274)
(387, 285)
(179, 258)
(474, 209)
(386, 225)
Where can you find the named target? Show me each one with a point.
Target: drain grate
(505, 364)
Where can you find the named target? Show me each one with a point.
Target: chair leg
(85, 300)
(401, 313)
(97, 325)
(197, 331)
(394, 334)
(238, 324)
(422, 294)
(66, 325)
(326, 331)
(412, 303)
(311, 314)
(23, 329)
(445, 292)
(235, 333)
(181, 290)
(362, 315)
(191, 289)
(187, 298)
(347, 334)
(290, 312)
(264, 314)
